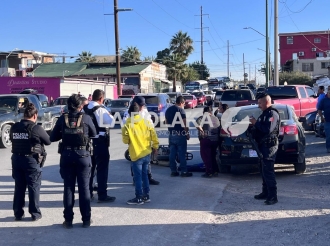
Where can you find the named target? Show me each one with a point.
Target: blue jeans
(140, 171)
(178, 145)
(327, 134)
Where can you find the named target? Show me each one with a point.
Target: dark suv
(157, 103)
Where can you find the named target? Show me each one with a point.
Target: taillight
(289, 130)
(160, 107)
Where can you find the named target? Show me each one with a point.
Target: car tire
(127, 156)
(300, 168)
(5, 136)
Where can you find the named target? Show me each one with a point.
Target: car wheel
(222, 168)
(300, 168)
(127, 156)
(5, 136)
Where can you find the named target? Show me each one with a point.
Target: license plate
(252, 153)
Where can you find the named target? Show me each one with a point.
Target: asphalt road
(178, 209)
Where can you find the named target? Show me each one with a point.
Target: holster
(89, 147)
(39, 153)
(60, 147)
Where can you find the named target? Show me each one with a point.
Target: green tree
(181, 44)
(163, 55)
(131, 54)
(190, 75)
(176, 69)
(149, 58)
(201, 69)
(85, 56)
(295, 78)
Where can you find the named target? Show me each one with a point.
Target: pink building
(305, 51)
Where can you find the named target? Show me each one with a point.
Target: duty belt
(74, 148)
(26, 155)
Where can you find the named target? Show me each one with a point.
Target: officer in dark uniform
(267, 128)
(75, 129)
(28, 141)
(102, 120)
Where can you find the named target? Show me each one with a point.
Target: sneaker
(186, 174)
(135, 201)
(146, 198)
(107, 199)
(19, 218)
(175, 174)
(261, 196)
(153, 182)
(35, 218)
(271, 201)
(67, 224)
(206, 175)
(87, 223)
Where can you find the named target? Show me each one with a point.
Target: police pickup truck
(12, 108)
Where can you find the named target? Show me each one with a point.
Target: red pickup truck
(301, 97)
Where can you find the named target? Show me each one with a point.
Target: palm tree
(176, 69)
(86, 56)
(131, 54)
(181, 44)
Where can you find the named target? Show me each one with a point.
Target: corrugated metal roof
(81, 69)
(59, 69)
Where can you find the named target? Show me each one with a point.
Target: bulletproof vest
(90, 112)
(21, 138)
(73, 134)
(262, 137)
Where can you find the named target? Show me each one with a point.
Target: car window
(219, 93)
(119, 103)
(229, 96)
(302, 92)
(256, 112)
(151, 99)
(282, 92)
(8, 104)
(35, 101)
(310, 92)
(243, 95)
(188, 97)
(198, 94)
(61, 101)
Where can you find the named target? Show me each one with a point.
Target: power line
(299, 11)
(171, 15)
(216, 31)
(152, 24)
(184, 6)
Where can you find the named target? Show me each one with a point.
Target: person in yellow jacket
(142, 139)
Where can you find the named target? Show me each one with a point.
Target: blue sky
(57, 26)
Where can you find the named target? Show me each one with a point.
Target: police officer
(267, 128)
(101, 142)
(27, 148)
(75, 129)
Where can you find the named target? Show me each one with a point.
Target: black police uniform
(28, 140)
(75, 129)
(101, 156)
(266, 135)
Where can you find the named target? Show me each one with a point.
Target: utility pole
(255, 74)
(202, 39)
(115, 7)
(276, 73)
(267, 47)
(243, 69)
(228, 59)
(249, 72)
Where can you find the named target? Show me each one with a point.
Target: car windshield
(61, 101)
(151, 100)
(172, 96)
(236, 96)
(282, 92)
(219, 93)
(188, 97)
(261, 89)
(198, 94)
(119, 103)
(8, 104)
(256, 112)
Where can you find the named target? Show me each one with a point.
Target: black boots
(261, 196)
(152, 181)
(271, 200)
(269, 195)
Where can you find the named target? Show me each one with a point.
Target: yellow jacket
(140, 135)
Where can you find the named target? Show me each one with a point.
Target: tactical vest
(263, 138)
(90, 112)
(21, 138)
(73, 134)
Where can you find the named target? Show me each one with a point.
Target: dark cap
(261, 95)
(139, 101)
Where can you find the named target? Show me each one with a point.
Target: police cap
(261, 95)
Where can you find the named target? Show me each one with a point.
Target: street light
(8, 56)
(116, 10)
(267, 53)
